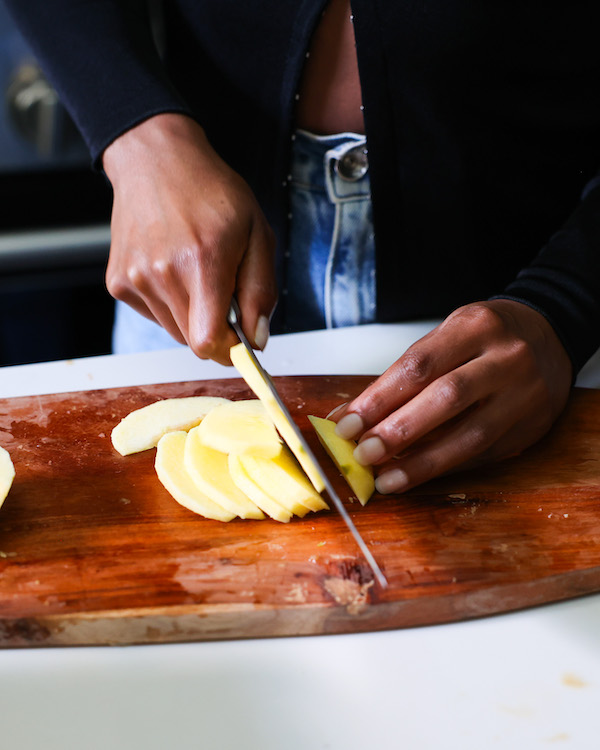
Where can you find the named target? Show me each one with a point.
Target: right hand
(187, 233)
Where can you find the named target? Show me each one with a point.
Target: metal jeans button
(353, 164)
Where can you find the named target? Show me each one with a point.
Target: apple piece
(7, 474)
(177, 481)
(284, 480)
(240, 426)
(210, 471)
(142, 429)
(245, 365)
(359, 477)
(255, 492)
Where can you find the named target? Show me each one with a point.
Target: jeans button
(353, 164)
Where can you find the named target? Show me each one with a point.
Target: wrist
(146, 141)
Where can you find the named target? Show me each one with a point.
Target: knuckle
(203, 346)
(523, 355)
(395, 433)
(417, 366)
(451, 393)
(402, 433)
(137, 278)
(480, 438)
(429, 467)
(205, 343)
(161, 269)
(121, 284)
(114, 286)
(482, 317)
(373, 405)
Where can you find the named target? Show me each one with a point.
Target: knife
(234, 319)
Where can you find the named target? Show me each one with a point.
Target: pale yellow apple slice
(255, 492)
(360, 478)
(284, 480)
(245, 365)
(7, 474)
(210, 471)
(178, 482)
(142, 429)
(240, 426)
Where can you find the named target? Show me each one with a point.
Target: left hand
(484, 385)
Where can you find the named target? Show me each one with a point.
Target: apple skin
(142, 428)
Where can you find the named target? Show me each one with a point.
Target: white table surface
(518, 681)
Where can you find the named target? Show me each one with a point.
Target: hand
(187, 233)
(484, 385)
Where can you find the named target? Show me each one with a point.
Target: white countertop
(518, 681)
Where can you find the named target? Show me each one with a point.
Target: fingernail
(369, 451)
(335, 411)
(349, 426)
(262, 332)
(394, 480)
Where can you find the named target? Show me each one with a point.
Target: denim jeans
(330, 261)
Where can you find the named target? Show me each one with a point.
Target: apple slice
(177, 481)
(359, 477)
(255, 492)
(7, 474)
(245, 365)
(238, 427)
(142, 429)
(210, 471)
(284, 480)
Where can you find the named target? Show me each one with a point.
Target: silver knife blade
(234, 319)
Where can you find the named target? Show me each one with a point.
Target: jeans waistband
(336, 164)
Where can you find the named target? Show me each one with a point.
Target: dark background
(53, 301)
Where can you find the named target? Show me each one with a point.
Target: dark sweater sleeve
(563, 282)
(101, 58)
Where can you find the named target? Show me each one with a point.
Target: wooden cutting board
(93, 550)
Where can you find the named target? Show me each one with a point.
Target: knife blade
(234, 319)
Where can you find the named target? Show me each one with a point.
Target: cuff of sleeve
(574, 323)
(563, 282)
(97, 146)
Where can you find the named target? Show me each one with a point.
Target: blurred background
(54, 221)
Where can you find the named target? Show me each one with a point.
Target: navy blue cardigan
(482, 120)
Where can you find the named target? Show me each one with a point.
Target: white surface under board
(517, 682)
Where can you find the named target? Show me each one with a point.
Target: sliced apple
(255, 492)
(240, 426)
(7, 474)
(284, 480)
(142, 429)
(245, 365)
(171, 471)
(359, 477)
(210, 471)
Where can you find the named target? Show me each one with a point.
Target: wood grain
(93, 550)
